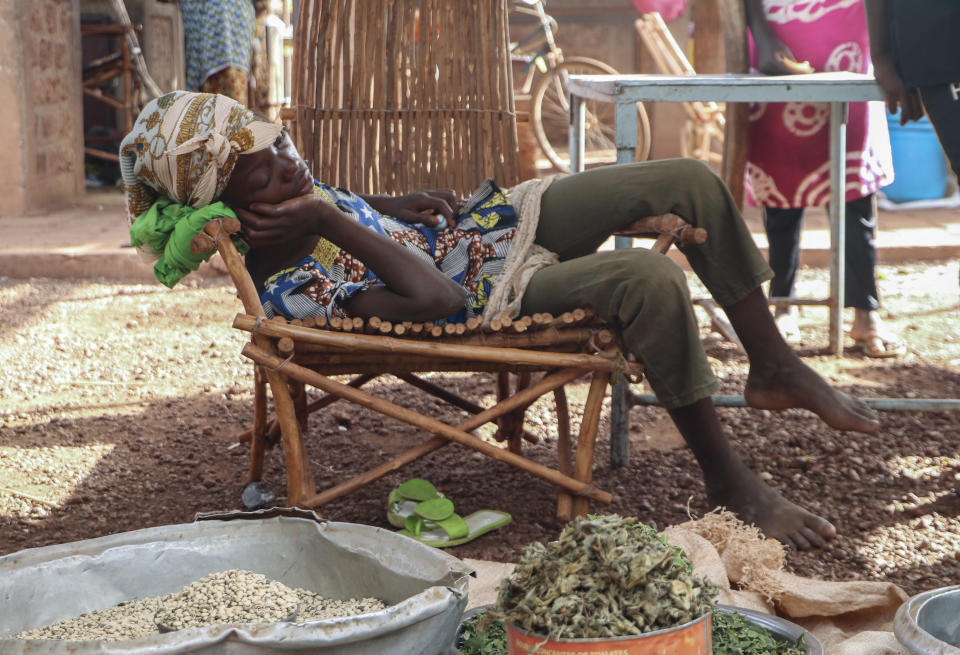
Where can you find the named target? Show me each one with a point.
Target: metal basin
(425, 588)
(929, 623)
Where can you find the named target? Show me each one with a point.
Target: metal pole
(838, 175)
(577, 141)
(884, 404)
(626, 142)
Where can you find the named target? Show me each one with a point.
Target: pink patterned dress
(789, 143)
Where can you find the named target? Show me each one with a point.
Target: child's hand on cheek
(266, 225)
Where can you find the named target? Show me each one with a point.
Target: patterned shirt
(471, 252)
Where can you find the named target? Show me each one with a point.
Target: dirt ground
(120, 406)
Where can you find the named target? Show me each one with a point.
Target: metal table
(839, 89)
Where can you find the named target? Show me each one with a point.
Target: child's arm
(414, 289)
(424, 207)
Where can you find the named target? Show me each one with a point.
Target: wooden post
(734, 28)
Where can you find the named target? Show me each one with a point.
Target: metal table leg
(838, 178)
(626, 142)
(577, 139)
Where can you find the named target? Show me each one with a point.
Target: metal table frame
(839, 89)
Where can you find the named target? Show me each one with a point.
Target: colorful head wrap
(181, 152)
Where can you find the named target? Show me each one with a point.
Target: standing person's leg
(860, 283)
(783, 228)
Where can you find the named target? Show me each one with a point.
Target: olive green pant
(640, 291)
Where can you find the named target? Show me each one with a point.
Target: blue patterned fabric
(216, 34)
(471, 252)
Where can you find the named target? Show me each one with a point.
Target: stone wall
(41, 139)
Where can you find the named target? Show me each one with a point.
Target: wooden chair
(390, 97)
(543, 352)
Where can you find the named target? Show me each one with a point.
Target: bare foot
(794, 384)
(776, 517)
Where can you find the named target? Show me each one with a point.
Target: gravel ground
(120, 406)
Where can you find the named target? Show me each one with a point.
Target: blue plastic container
(919, 165)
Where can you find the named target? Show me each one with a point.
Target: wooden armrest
(666, 225)
(206, 241)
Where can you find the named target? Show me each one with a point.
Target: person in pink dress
(788, 157)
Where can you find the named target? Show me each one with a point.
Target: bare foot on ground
(777, 518)
(796, 385)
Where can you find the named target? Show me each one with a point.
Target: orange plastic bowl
(691, 638)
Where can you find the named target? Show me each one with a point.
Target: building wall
(12, 182)
(41, 139)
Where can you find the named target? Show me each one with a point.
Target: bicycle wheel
(551, 122)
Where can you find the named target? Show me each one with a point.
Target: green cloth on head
(167, 228)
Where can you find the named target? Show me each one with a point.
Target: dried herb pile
(605, 576)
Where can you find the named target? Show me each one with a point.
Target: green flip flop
(403, 500)
(427, 516)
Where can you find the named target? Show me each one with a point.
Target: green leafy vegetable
(478, 636)
(735, 635)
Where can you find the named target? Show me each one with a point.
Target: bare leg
(732, 485)
(778, 379)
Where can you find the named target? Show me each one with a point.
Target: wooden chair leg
(505, 422)
(459, 433)
(272, 430)
(587, 441)
(258, 434)
(298, 390)
(515, 436)
(455, 400)
(564, 500)
(300, 484)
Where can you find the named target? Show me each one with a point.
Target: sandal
(427, 516)
(880, 345)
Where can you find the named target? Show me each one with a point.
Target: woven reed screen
(392, 96)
